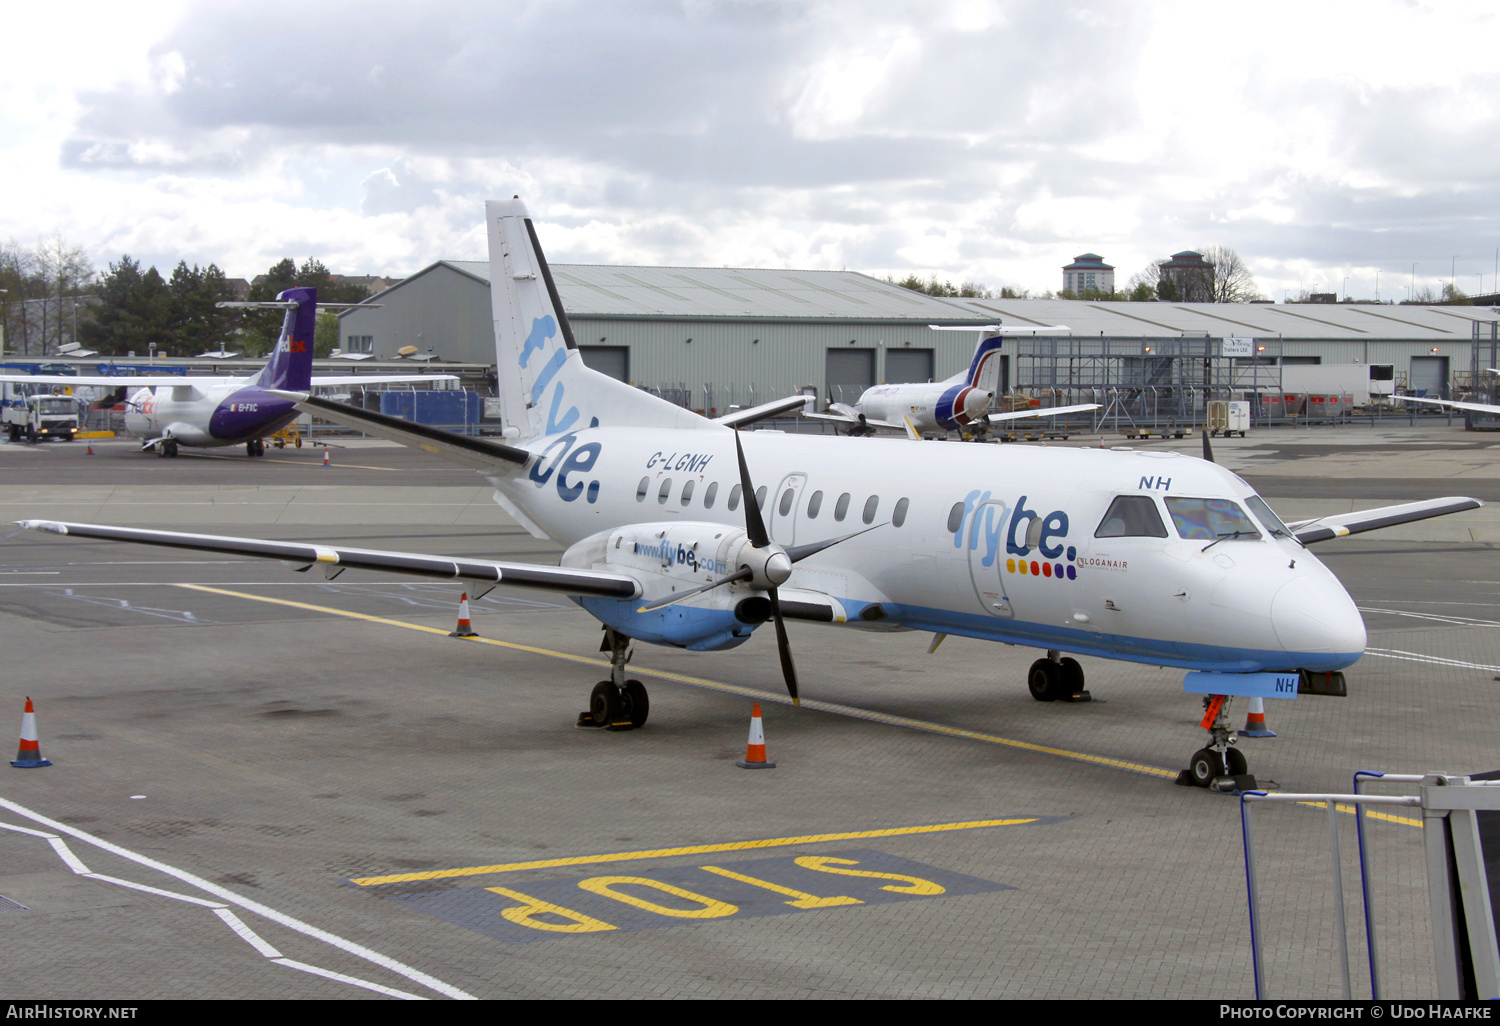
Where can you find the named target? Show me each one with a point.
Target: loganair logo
(561, 459)
(681, 556)
(985, 520)
(542, 329)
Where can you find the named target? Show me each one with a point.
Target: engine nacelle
(667, 558)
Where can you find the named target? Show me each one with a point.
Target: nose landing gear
(1220, 766)
(617, 703)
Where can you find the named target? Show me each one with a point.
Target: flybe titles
(682, 556)
(986, 519)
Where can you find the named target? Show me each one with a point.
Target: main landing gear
(1058, 678)
(1220, 766)
(167, 447)
(255, 447)
(617, 703)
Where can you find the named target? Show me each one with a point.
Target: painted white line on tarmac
(1449, 618)
(352, 981)
(65, 853)
(246, 934)
(1417, 657)
(291, 923)
(153, 890)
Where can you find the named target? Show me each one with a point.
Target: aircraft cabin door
(984, 536)
(782, 507)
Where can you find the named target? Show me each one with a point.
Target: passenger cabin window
(841, 508)
(814, 505)
(1267, 517)
(734, 498)
(899, 516)
(664, 491)
(642, 488)
(710, 495)
(1210, 519)
(687, 491)
(956, 519)
(786, 502)
(1129, 516)
(760, 498)
(871, 505)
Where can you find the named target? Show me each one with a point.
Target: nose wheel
(1220, 766)
(617, 703)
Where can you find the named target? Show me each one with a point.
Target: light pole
(1411, 293)
(1377, 286)
(1346, 288)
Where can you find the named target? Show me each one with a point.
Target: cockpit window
(1132, 516)
(1210, 519)
(1267, 517)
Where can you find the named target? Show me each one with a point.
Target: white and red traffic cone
(1255, 720)
(30, 754)
(464, 628)
(326, 461)
(755, 749)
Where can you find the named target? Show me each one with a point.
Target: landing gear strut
(255, 447)
(167, 447)
(617, 703)
(1220, 766)
(1058, 678)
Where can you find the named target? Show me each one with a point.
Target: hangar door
(848, 373)
(1429, 374)
(902, 365)
(611, 360)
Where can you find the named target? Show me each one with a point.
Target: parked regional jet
(960, 403)
(172, 410)
(680, 532)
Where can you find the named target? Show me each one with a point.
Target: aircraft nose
(1316, 614)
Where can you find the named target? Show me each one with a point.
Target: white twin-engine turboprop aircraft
(960, 403)
(678, 532)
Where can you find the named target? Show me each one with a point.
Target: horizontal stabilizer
(479, 453)
(1051, 411)
(1341, 524)
(324, 381)
(304, 555)
(739, 418)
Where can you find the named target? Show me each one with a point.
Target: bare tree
(1142, 284)
(1232, 282)
(68, 273)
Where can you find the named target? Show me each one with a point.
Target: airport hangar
(712, 337)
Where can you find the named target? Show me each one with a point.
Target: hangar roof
(1267, 320)
(610, 290)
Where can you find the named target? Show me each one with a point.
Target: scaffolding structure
(1145, 384)
(1484, 387)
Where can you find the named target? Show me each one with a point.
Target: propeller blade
(800, 552)
(755, 527)
(784, 648)
(1208, 450)
(740, 575)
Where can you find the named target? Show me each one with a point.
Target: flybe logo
(561, 459)
(986, 520)
(542, 329)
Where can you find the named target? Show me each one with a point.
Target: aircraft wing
(1341, 524)
(1053, 411)
(741, 417)
(334, 559)
(1476, 407)
(482, 454)
(320, 380)
(120, 381)
(840, 417)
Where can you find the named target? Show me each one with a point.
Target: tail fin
(290, 366)
(984, 358)
(544, 387)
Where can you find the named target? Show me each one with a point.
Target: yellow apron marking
(692, 849)
(804, 900)
(736, 689)
(733, 689)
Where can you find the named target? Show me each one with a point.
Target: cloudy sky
(987, 141)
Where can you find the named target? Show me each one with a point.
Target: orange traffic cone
(463, 630)
(326, 462)
(30, 754)
(90, 450)
(755, 749)
(1255, 720)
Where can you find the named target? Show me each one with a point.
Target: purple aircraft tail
(290, 366)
